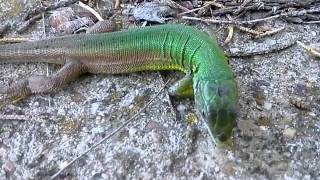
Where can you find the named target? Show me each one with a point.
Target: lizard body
(166, 47)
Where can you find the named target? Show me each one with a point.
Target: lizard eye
(222, 137)
(223, 90)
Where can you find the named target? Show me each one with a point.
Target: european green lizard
(165, 47)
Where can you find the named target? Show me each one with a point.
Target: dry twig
(88, 8)
(269, 33)
(200, 8)
(176, 5)
(230, 35)
(13, 40)
(13, 117)
(28, 23)
(216, 21)
(312, 22)
(311, 50)
(242, 6)
(300, 103)
(42, 9)
(230, 31)
(260, 34)
(117, 4)
(261, 49)
(248, 30)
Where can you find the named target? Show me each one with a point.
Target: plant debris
(313, 49)
(153, 12)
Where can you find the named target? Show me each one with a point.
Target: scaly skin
(166, 47)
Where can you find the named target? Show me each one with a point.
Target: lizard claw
(15, 99)
(10, 100)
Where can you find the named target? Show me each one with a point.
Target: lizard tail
(37, 51)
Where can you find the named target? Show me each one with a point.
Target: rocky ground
(277, 134)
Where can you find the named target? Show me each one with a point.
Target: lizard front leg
(182, 88)
(42, 84)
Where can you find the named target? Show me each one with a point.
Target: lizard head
(216, 102)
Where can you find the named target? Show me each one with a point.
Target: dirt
(277, 134)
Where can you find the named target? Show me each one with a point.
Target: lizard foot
(42, 84)
(9, 100)
(15, 93)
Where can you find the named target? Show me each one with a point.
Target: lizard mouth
(217, 101)
(220, 124)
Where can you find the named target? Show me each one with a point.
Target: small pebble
(2, 173)
(59, 17)
(9, 167)
(289, 132)
(155, 137)
(36, 104)
(61, 111)
(216, 169)
(98, 118)
(181, 109)
(234, 50)
(94, 108)
(271, 41)
(263, 128)
(63, 164)
(132, 131)
(267, 105)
